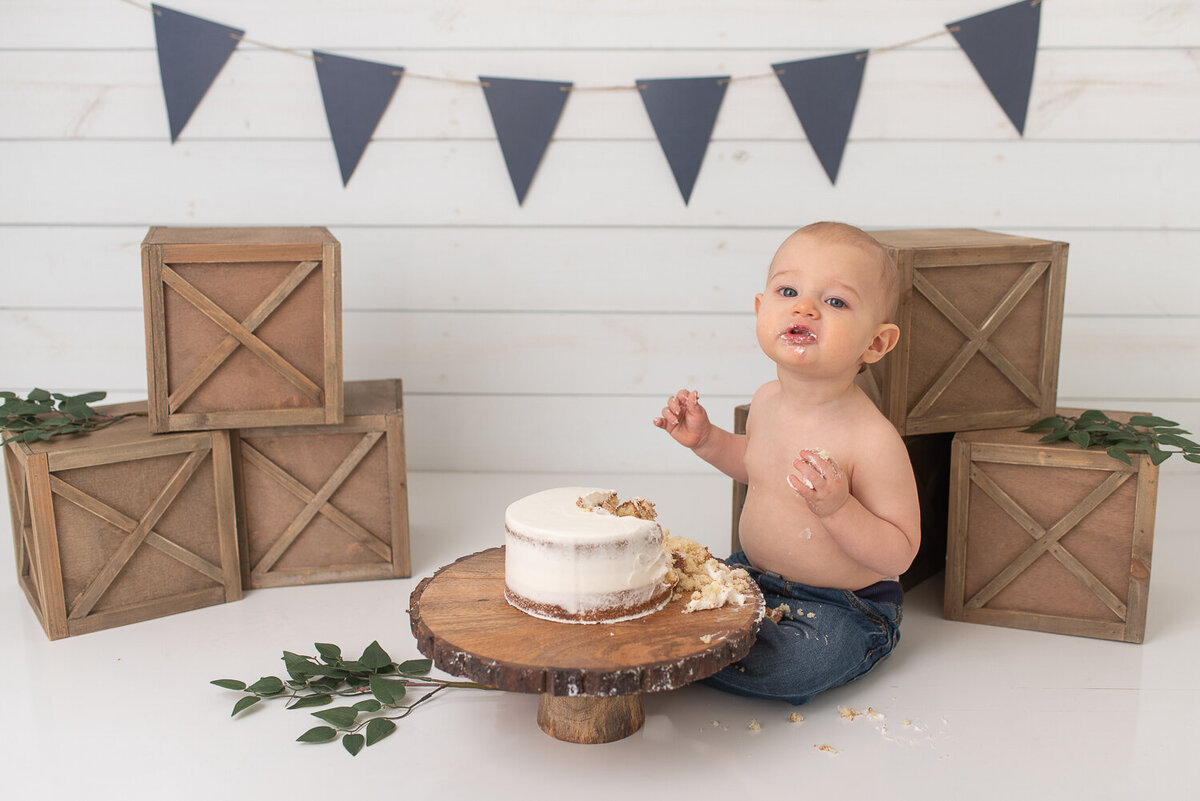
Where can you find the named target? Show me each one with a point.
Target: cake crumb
(907, 722)
(778, 613)
(706, 638)
(796, 717)
(811, 614)
(871, 713)
(847, 713)
(829, 749)
(754, 725)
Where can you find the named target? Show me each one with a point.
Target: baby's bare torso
(778, 531)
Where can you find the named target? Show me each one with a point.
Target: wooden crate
(243, 327)
(122, 525)
(930, 457)
(326, 503)
(1049, 536)
(980, 321)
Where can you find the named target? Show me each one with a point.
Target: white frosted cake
(579, 555)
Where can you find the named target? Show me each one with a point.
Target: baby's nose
(805, 306)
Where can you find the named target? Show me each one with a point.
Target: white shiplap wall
(545, 337)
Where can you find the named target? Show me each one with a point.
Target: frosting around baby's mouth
(799, 335)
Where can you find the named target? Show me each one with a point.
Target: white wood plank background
(545, 337)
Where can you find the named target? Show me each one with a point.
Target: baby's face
(822, 305)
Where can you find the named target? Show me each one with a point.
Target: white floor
(964, 711)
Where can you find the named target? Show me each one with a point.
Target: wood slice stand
(590, 676)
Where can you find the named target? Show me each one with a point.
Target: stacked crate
(1033, 535)
(252, 464)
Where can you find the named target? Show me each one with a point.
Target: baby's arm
(685, 419)
(879, 526)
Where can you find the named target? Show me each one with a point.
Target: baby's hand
(819, 481)
(684, 419)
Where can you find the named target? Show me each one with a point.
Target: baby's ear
(757, 303)
(884, 340)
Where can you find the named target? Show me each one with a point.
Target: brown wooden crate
(1048, 536)
(930, 457)
(122, 525)
(243, 327)
(980, 319)
(326, 503)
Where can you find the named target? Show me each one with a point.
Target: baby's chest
(772, 446)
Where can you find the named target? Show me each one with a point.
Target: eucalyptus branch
(1153, 436)
(316, 681)
(45, 414)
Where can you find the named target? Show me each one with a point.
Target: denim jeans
(829, 638)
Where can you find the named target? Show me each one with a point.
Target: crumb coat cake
(579, 555)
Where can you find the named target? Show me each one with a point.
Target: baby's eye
(836, 303)
(787, 292)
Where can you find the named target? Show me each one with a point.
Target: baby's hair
(850, 235)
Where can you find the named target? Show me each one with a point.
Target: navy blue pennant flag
(824, 93)
(1002, 44)
(525, 114)
(356, 94)
(683, 112)
(191, 52)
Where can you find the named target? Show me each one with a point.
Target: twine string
(572, 88)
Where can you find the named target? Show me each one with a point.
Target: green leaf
(1177, 441)
(379, 728)
(87, 397)
(328, 651)
(299, 667)
(1044, 424)
(386, 691)
(320, 699)
(1080, 438)
(1054, 436)
(230, 684)
(1120, 455)
(1150, 420)
(245, 702)
(375, 657)
(317, 734)
(1192, 457)
(353, 743)
(341, 716)
(1092, 416)
(1157, 456)
(416, 667)
(38, 395)
(267, 685)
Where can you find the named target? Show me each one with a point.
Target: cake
(580, 555)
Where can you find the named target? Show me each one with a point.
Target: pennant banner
(683, 112)
(525, 114)
(1002, 44)
(824, 94)
(191, 52)
(356, 94)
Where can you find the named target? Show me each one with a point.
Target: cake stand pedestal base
(588, 719)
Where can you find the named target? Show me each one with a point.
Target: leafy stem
(1154, 436)
(44, 414)
(316, 681)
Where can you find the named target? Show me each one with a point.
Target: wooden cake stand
(590, 677)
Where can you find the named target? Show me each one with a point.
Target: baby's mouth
(799, 335)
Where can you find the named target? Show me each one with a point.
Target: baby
(831, 515)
